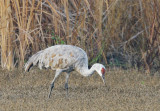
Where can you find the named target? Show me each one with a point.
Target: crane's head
(100, 70)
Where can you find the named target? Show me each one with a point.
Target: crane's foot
(52, 86)
(66, 87)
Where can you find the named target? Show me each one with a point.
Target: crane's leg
(58, 72)
(66, 84)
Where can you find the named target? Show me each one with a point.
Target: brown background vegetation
(115, 32)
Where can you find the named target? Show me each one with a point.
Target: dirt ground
(125, 90)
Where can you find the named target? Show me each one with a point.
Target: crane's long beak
(103, 78)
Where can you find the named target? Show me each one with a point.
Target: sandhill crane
(64, 58)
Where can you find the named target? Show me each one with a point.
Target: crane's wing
(33, 60)
(60, 57)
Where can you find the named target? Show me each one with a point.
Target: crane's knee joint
(66, 85)
(52, 86)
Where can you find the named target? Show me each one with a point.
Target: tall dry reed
(6, 34)
(108, 30)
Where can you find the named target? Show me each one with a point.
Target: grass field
(126, 90)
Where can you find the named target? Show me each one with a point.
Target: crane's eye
(103, 71)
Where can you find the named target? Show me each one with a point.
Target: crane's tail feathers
(32, 61)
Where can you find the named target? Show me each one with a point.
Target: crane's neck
(87, 72)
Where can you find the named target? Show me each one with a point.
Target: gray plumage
(64, 58)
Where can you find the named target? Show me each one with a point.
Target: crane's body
(64, 58)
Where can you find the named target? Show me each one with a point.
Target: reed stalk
(127, 30)
(6, 24)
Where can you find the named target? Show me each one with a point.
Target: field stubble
(125, 90)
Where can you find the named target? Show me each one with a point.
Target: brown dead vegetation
(125, 90)
(124, 31)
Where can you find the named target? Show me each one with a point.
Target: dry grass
(125, 90)
(101, 27)
(6, 35)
